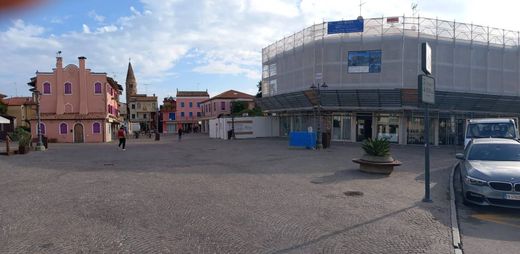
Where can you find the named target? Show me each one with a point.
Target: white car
(490, 128)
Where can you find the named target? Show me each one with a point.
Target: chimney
(82, 62)
(59, 62)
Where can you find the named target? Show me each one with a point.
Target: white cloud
(106, 29)
(96, 16)
(86, 29)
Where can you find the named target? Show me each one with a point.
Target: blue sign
(346, 26)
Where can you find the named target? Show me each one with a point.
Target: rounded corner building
(358, 79)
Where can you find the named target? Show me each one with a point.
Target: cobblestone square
(219, 196)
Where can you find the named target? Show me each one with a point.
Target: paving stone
(219, 196)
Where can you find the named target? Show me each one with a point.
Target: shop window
(388, 127)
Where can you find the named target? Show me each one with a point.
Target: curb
(455, 233)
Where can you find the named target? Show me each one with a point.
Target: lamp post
(39, 146)
(317, 88)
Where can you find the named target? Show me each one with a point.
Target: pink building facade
(220, 105)
(76, 104)
(188, 109)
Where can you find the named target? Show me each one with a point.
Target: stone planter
(23, 149)
(376, 164)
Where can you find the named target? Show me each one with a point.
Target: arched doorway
(78, 133)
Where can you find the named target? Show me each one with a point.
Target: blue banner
(345, 26)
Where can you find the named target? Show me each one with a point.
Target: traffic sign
(426, 89)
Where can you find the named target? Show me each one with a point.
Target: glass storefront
(447, 131)
(341, 126)
(388, 127)
(415, 131)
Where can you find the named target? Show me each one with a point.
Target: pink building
(76, 104)
(168, 113)
(220, 105)
(188, 108)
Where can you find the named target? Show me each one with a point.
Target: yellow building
(23, 108)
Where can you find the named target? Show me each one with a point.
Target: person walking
(180, 133)
(121, 134)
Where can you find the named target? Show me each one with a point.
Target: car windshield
(495, 152)
(491, 130)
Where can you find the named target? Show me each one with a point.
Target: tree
(259, 93)
(3, 108)
(238, 106)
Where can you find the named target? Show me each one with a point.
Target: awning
(4, 120)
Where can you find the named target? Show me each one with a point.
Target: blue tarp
(302, 139)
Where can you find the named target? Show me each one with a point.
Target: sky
(190, 44)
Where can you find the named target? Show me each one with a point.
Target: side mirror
(459, 156)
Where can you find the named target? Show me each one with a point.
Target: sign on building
(345, 26)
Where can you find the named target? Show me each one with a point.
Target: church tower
(131, 83)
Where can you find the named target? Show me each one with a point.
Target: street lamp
(317, 88)
(37, 94)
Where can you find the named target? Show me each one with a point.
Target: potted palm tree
(24, 140)
(377, 157)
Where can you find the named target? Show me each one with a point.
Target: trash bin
(45, 141)
(136, 134)
(325, 139)
(229, 134)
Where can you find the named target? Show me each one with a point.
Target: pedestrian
(121, 134)
(180, 133)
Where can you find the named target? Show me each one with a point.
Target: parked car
(490, 128)
(490, 172)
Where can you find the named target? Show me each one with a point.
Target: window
(272, 70)
(223, 105)
(182, 114)
(182, 104)
(265, 71)
(68, 88)
(97, 88)
(63, 128)
(214, 106)
(273, 87)
(198, 104)
(96, 128)
(46, 88)
(139, 105)
(198, 114)
(133, 106)
(191, 104)
(133, 116)
(42, 128)
(171, 116)
(144, 116)
(191, 114)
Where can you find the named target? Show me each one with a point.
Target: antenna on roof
(360, 6)
(414, 9)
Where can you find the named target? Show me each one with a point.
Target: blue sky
(189, 45)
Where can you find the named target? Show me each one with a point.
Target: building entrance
(363, 126)
(78, 133)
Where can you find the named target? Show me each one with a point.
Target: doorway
(78, 133)
(363, 126)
